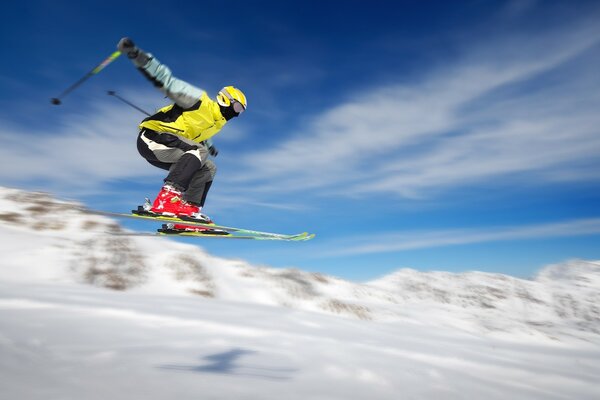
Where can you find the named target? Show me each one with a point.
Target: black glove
(212, 150)
(126, 46)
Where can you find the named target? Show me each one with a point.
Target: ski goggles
(238, 107)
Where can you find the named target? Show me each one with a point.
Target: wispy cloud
(394, 241)
(80, 154)
(493, 114)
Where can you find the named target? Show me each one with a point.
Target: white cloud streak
(394, 242)
(465, 123)
(455, 128)
(77, 156)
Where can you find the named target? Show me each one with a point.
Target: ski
(172, 229)
(232, 231)
(292, 238)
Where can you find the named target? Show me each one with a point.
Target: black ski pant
(189, 168)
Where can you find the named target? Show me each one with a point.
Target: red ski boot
(169, 202)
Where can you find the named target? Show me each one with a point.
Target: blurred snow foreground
(88, 314)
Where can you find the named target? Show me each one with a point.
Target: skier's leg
(183, 167)
(184, 170)
(200, 184)
(207, 186)
(168, 200)
(157, 154)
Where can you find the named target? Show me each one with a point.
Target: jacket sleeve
(182, 93)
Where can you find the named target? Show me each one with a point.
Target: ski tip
(304, 236)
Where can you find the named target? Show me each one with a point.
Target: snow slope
(75, 342)
(89, 314)
(52, 240)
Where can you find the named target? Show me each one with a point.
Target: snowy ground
(183, 324)
(78, 342)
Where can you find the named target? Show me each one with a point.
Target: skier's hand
(126, 46)
(213, 151)
(137, 55)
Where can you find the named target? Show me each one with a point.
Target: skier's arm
(182, 93)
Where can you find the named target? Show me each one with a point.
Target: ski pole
(100, 67)
(113, 93)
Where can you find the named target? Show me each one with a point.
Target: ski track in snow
(187, 325)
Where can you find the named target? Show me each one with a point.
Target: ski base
(177, 229)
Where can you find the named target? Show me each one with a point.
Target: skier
(177, 137)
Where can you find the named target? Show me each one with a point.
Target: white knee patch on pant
(195, 153)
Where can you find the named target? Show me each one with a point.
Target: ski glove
(137, 55)
(212, 150)
(126, 46)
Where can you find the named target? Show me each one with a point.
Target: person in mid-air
(177, 137)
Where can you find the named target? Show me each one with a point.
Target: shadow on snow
(229, 363)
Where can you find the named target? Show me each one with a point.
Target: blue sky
(433, 135)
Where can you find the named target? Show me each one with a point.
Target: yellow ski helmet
(231, 96)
